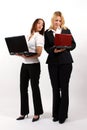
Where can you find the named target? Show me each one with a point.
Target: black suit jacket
(57, 58)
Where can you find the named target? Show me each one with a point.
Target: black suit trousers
(60, 76)
(30, 72)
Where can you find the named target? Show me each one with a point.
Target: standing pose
(59, 66)
(30, 71)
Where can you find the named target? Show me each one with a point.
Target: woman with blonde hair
(59, 66)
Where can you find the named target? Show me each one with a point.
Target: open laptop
(18, 45)
(63, 40)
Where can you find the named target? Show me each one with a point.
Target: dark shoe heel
(21, 117)
(55, 119)
(35, 119)
(62, 121)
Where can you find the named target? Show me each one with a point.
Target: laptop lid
(63, 40)
(17, 44)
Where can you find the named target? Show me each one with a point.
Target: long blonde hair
(56, 14)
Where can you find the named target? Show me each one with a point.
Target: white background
(16, 17)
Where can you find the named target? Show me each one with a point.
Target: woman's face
(39, 25)
(57, 22)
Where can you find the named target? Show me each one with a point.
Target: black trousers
(60, 75)
(30, 72)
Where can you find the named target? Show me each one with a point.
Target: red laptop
(63, 40)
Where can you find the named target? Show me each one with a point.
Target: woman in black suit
(59, 66)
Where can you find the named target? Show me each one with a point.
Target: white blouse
(58, 31)
(36, 40)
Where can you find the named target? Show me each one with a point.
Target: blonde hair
(55, 14)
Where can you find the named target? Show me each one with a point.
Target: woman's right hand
(23, 56)
(58, 50)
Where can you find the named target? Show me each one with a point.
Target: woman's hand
(38, 51)
(23, 56)
(58, 50)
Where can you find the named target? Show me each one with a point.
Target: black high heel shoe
(21, 117)
(61, 121)
(35, 119)
(55, 119)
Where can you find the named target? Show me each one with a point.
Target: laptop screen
(63, 40)
(16, 44)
